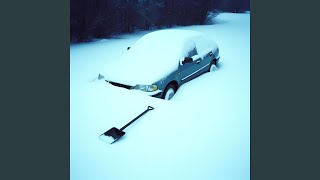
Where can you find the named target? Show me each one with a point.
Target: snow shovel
(114, 134)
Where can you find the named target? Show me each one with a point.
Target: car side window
(192, 52)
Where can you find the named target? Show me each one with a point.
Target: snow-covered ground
(202, 133)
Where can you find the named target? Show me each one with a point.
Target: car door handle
(198, 61)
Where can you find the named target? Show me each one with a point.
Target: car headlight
(147, 88)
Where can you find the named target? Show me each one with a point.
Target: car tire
(169, 92)
(213, 66)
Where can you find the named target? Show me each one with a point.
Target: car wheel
(169, 92)
(213, 66)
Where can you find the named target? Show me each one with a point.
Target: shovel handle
(148, 109)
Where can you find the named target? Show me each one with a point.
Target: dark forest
(94, 19)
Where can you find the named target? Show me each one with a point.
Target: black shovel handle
(148, 109)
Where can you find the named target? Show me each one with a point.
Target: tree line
(90, 19)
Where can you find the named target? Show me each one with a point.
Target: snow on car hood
(152, 57)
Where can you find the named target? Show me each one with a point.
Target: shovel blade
(112, 135)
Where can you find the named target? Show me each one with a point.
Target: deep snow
(202, 133)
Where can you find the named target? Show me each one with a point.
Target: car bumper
(156, 93)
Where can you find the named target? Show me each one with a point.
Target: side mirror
(187, 60)
(128, 48)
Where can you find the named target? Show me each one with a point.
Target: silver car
(161, 61)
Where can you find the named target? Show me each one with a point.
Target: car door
(205, 52)
(191, 70)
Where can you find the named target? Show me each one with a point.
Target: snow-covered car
(161, 61)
